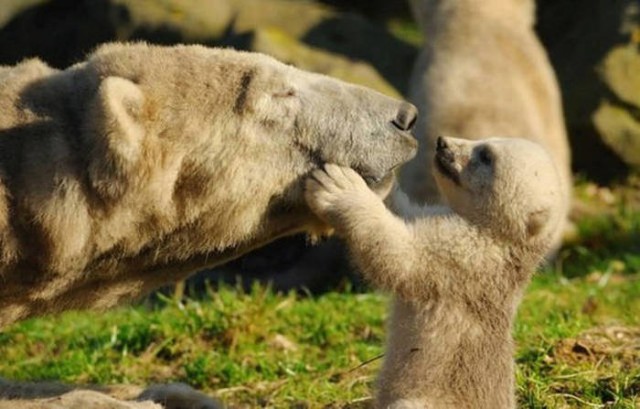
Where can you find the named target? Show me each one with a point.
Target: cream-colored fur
(457, 272)
(145, 164)
(50, 395)
(482, 72)
(82, 399)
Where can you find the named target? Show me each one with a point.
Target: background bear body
(482, 72)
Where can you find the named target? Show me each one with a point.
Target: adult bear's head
(326, 120)
(230, 136)
(234, 126)
(316, 119)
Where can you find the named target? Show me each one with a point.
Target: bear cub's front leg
(341, 198)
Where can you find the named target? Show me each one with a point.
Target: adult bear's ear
(536, 221)
(115, 133)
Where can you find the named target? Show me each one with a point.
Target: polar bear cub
(456, 272)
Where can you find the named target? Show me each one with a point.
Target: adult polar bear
(145, 164)
(482, 72)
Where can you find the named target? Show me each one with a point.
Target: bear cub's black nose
(441, 144)
(406, 117)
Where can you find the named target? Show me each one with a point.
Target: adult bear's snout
(405, 117)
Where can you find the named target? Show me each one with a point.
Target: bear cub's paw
(334, 191)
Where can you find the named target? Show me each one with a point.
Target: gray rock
(620, 71)
(340, 34)
(62, 31)
(581, 41)
(80, 399)
(617, 118)
(278, 44)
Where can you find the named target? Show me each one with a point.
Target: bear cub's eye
(485, 157)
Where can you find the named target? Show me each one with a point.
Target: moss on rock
(277, 43)
(620, 130)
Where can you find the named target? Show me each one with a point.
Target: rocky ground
(594, 49)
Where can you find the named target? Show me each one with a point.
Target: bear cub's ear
(536, 221)
(115, 133)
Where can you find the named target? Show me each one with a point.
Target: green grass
(266, 347)
(578, 335)
(406, 30)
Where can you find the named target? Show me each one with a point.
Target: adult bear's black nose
(406, 117)
(441, 144)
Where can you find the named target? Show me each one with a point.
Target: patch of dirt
(601, 345)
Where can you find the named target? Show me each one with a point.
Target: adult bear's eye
(285, 94)
(485, 156)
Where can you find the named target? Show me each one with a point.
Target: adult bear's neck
(152, 270)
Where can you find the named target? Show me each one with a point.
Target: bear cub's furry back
(456, 272)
